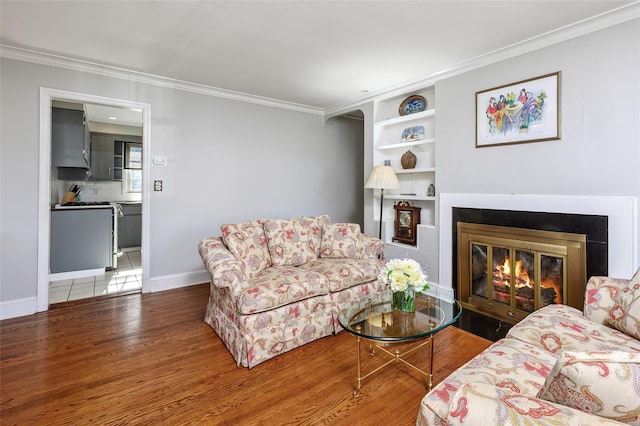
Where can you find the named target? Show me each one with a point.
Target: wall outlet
(157, 185)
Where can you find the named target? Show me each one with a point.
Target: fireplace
(508, 272)
(610, 224)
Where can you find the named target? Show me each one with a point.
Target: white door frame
(44, 189)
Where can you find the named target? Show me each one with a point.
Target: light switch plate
(159, 160)
(157, 185)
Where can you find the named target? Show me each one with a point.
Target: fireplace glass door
(514, 276)
(511, 273)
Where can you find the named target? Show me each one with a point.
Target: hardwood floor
(150, 359)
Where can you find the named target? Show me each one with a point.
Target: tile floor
(127, 277)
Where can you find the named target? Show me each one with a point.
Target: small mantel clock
(407, 221)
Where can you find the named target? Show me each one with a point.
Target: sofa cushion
(507, 364)
(247, 242)
(279, 286)
(625, 314)
(601, 383)
(481, 404)
(341, 240)
(345, 273)
(316, 223)
(558, 328)
(289, 241)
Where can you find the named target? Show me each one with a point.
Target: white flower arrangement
(400, 274)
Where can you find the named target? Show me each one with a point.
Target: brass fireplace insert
(507, 273)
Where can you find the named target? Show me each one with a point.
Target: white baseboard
(169, 282)
(129, 249)
(18, 308)
(28, 306)
(76, 274)
(441, 292)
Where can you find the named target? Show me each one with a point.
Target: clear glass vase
(405, 301)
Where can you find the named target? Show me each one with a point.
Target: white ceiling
(114, 115)
(314, 53)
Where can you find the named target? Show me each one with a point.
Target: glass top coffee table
(376, 321)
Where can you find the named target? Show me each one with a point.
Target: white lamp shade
(382, 177)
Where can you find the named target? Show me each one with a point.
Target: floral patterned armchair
(558, 366)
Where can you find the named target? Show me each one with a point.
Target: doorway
(136, 259)
(348, 130)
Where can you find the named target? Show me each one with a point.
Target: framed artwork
(521, 112)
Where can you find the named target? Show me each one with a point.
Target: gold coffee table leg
(430, 362)
(357, 389)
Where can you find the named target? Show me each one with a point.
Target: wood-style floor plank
(150, 359)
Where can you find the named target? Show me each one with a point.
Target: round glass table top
(375, 319)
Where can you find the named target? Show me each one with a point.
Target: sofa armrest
(600, 297)
(484, 404)
(372, 247)
(224, 269)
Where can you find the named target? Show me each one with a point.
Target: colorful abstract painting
(521, 112)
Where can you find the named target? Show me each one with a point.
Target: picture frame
(521, 112)
(413, 134)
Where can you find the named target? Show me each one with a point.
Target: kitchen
(96, 201)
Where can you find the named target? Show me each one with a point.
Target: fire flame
(521, 275)
(502, 277)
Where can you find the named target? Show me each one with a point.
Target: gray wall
(599, 153)
(228, 161)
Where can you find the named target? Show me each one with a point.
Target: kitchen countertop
(89, 205)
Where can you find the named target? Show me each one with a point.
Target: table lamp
(382, 177)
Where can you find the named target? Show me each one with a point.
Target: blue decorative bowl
(412, 104)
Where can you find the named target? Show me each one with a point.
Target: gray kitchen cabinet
(70, 145)
(118, 160)
(81, 239)
(130, 226)
(107, 155)
(102, 150)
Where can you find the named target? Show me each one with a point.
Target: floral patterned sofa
(278, 284)
(558, 366)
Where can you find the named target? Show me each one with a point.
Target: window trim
(127, 155)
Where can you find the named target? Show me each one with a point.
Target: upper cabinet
(413, 136)
(102, 150)
(70, 145)
(108, 154)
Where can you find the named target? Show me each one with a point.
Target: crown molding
(605, 20)
(32, 56)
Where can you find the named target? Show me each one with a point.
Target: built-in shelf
(407, 118)
(407, 144)
(402, 245)
(388, 129)
(406, 197)
(417, 170)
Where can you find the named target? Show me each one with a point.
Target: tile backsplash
(99, 191)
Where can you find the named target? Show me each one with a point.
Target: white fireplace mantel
(621, 211)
